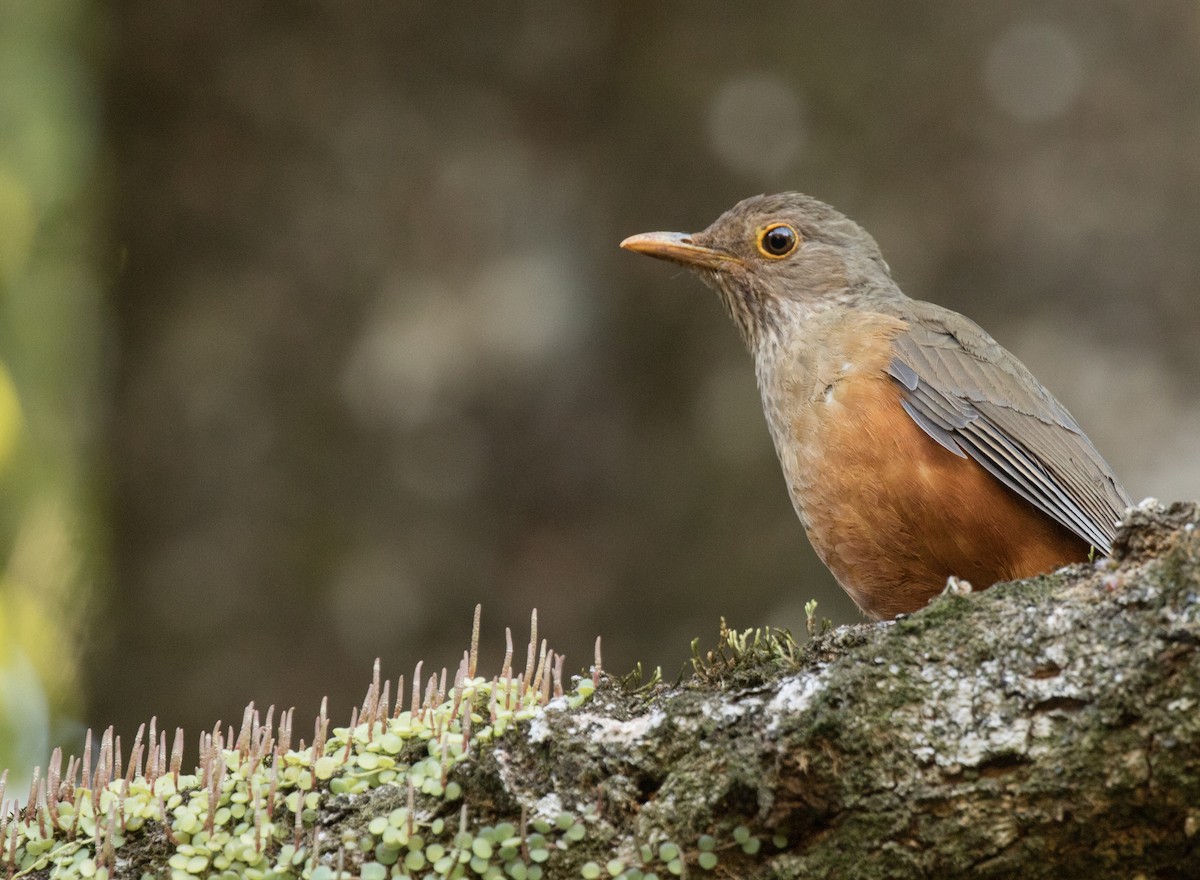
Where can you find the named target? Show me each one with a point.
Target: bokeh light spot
(1034, 71)
(756, 125)
(10, 416)
(429, 344)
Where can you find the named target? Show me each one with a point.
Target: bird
(914, 447)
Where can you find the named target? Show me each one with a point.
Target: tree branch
(1044, 728)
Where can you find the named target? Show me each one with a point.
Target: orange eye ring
(778, 240)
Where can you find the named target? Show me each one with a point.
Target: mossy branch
(1045, 728)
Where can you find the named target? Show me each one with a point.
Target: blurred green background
(314, 331)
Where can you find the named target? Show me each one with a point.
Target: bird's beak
(678, 247)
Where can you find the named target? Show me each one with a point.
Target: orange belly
(893, 514)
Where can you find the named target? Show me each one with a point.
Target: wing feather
(977, 400)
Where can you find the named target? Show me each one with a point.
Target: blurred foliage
(49, 344)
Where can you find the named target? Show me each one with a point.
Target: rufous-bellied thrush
(914, 447)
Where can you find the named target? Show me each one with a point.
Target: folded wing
(977, 400)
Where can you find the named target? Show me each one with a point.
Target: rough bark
(1044, 728)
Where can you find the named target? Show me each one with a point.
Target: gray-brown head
(771, 256)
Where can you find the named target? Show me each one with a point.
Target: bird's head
(772, 256)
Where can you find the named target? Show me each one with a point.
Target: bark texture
(1044, 728)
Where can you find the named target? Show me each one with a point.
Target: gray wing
(977, 400)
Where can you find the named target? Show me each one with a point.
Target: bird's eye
(778, 240)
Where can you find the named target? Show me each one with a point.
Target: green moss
(747, 657)
(256, 808)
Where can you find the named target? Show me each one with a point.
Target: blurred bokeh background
(314, 332)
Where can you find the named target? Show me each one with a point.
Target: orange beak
(678, 247)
